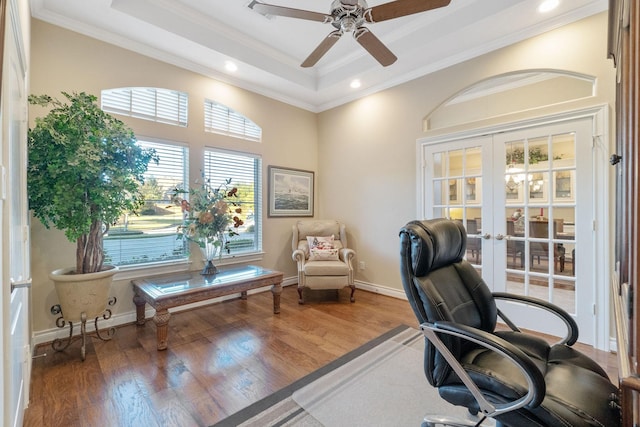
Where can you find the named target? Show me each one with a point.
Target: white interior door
(527, 218)
(455, 178)
(15, 247)
(546, 192)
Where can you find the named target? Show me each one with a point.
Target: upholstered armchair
(323, 257)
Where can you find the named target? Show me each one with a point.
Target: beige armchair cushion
(326, 268)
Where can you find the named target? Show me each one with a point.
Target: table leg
(276, 290)
(161, 319)
(243, 295)
(140, 303)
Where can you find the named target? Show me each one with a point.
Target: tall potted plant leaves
(85, 170)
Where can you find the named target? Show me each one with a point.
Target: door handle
(486, 236)
(499, 236)
(20, 284)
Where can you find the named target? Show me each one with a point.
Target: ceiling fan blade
(322, 48)
(374, 46)
(269, 9)
(398, 8)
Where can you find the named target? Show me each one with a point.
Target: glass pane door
(455, 176)
(547, 222)
(529, 223)
(540, 218)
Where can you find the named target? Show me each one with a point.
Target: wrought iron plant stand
(61, 344)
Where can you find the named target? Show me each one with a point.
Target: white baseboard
(48, 335)
(382, 290)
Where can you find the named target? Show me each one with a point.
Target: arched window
(221, 119)
(148, 103)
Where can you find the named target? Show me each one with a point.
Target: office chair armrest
(536, 385)
(570, 323)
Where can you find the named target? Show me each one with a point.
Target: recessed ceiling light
(230, 66)
(548, 5)
(355, 84)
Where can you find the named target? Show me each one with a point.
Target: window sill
(130, 272)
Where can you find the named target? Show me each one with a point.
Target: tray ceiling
(202, 35)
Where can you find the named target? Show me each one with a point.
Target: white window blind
(221, 119)
(151, 236)
(244, 170)
(155, 104)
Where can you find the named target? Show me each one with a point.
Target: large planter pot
(78, 293)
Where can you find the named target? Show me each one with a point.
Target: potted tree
(85, 170)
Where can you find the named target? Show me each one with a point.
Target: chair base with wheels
(445, 421)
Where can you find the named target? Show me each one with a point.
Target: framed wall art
(290, 192)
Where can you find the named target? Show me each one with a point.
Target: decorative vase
(211, 249)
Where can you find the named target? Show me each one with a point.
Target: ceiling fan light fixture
(348, 24)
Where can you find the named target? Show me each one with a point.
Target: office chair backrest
(441, 285)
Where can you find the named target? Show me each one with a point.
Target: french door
(526, 198)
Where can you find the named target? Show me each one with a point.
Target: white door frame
(15, 270)
(602, 180)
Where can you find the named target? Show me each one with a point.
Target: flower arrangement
(208, 214)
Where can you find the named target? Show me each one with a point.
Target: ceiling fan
(348, 16)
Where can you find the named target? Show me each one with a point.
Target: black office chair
(515, 378)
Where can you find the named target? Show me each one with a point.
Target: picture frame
(291, 192)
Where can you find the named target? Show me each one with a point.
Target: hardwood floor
(221, 358)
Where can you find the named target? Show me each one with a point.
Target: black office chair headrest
(435, 243)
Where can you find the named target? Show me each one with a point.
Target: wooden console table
(175, 289)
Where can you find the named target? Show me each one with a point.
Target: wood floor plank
(221, 358)
(89, 382)
(99, 414)
(60, 396)
(169, 410)
(131, 405)
(195, 398)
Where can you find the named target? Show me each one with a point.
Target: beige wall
(65, 61)
(367, 149)
(363, 153)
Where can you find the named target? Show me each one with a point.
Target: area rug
(382, 383)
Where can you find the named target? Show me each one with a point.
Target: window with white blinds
(244, 170)
(148, 103)
(221, 119)
(150, 236)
